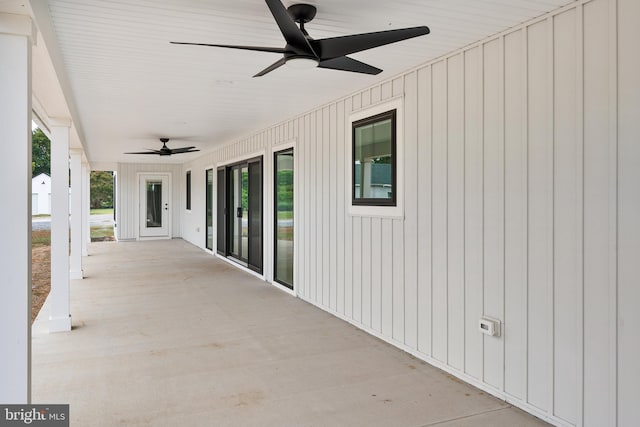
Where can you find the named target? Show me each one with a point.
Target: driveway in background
(44, 223)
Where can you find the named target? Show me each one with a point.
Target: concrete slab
(165, 334)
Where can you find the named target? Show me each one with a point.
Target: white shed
(41, 195)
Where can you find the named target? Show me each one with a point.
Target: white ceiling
(130, 86)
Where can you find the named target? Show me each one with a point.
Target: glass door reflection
(239, 185)
(283, 260)
(209, 208)
(154, 204)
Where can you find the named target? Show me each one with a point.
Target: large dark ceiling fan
(166, 151)
(303, 51)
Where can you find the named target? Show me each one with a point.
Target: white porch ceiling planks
(131, 86)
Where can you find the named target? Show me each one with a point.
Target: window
(375, 150)
(209, 207)
(374, 160)
(188, 192)
(283, 215)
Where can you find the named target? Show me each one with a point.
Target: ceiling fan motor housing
(302, 13)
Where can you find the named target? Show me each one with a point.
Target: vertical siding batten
(515, 203)
(366, 271)
(596, 220)
(424, 210)
(565, 215)
(579, 102)
(627, 150)
(493, 222)
(308, 196)
(342, 188)
(333, 207)
(313, 214)
(326, 207)
(474, 211)
(551, 158)
(613, 214)
(376, 274)
(439, 212)
(348, 251)
(387, 278)
(410, 198)
(539, 224)
(455, 212)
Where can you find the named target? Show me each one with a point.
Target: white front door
(155, 206)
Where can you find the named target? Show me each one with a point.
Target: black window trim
(391, 114)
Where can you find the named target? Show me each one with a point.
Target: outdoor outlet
(489, 326)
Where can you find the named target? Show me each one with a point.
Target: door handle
(239, 212)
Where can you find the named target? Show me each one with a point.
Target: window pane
(154, 204)
(284, 218)
(373, 168)
(221, 218)
(188, 190)
(209, 208)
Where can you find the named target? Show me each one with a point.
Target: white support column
(60, 316)
(86, 206)
(75, 271)
(16, 35)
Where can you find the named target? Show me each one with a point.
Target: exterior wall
(521, 203)
(41, 189)
(127, 197)
(626, 219)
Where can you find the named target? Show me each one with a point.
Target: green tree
(101, 189)
(40, 153)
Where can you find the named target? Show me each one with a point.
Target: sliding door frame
(229, 217)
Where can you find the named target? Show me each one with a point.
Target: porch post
(86, 230)
(75, 271)
(60, 316)
(16, 35)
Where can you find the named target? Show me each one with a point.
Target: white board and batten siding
(521, 203)
(127, 197)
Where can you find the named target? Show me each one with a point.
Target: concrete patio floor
(167, 335)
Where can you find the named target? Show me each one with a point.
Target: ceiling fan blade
(145, 152)
(349, 64)
(182, 150)
(292, 34)
(344, 45)
(277, 64)
(254, 48)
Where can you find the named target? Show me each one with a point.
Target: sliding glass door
(240, 213)
(283, 203)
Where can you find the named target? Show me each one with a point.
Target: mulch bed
(40, 277)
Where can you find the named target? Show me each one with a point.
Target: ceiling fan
(302, 51)
(166, 151)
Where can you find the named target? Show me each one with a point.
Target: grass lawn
(285, 214)
(101, 233)
(41, 263)
(102, 211)
(40, 238)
